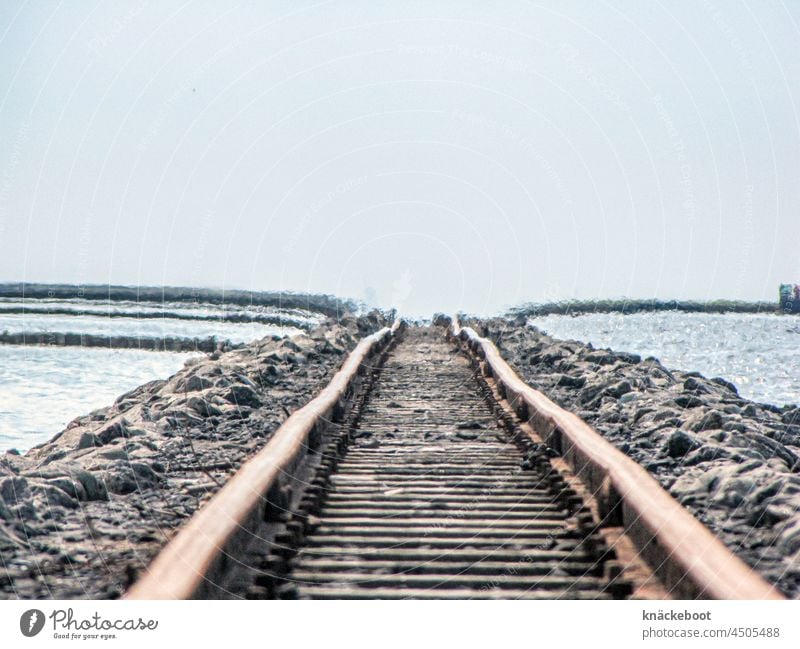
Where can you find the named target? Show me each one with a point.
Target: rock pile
(83, 514)
(734, 463)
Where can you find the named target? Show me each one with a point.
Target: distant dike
(328, 305)
(324, 305)
(623, 306)
(143, 343)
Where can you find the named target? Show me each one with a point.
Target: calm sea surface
(759, 353)
(43, 388)
(236, 332)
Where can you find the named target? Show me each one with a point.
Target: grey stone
(55, 496)
(590, 392)
(13, 490)
(725, 384)
(789, 539)
(70, 487)
(467, 434)
(112, 431)
(693, 384)
(121, 481)
(689, 401)
(791, 416)
(769, 515)
(203, 407)
(89, 440)
(750, 410)
(601, 357)
(618, 389)
(693, 483)
(709, 420)
(55, 456)
(271, 371)
(767, 491)
(114, 454)
(243, 395)
(680, 443)
(94, 489)
(737, 426)
(194, 383)
(290, 344)
(705, 454)
(567, 381)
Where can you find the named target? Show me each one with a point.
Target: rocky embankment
(732, 462)
(83, 514)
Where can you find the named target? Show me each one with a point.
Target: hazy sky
(428, 155)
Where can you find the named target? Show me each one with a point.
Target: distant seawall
(293, 311)
(328, 305)
(279, 320)
(166, 344)
(577, 307)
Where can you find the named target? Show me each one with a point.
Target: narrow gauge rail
(428, 470)
(431, 498)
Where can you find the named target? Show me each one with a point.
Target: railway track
(426, 470)
(432, 498)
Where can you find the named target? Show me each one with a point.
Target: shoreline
(166, 344)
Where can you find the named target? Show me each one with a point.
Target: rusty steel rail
(430, 491)
(188, 561)
(683, 552)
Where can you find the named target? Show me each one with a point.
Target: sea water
(759, 353)
(42, 388)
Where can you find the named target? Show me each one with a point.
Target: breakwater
(576, 307)
(328, 305)
(169, 344)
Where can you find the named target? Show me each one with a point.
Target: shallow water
(43, 388)
(98, 325)
(759, 353)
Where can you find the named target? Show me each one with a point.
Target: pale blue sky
(430, 155)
